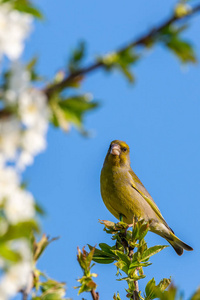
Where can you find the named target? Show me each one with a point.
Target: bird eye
(124, 149)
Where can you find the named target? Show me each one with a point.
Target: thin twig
(27, 290)
(136, 292)
(24, 295)
(97, 65)
(130, 254)
(95, 295)
(76, 76)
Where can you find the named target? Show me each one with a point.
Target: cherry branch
(76, 76)
(141, 41)
(95, 295)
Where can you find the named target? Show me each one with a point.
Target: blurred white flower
(33, 141)
(19, 80)
(19, 206)
(24, 159)
(33, 107)
(22, 139)
(14, 28)
(9, 181)
(22, 246)
(15, 279)
(34, 114)
(9, 138)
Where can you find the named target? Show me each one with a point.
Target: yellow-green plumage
(124, 194)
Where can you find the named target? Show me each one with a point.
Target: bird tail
(177, 244)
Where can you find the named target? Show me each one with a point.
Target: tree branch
(95, 295)
(24, 295)
(138, 42)
(27, 290)
(77, 76)
(136, 292)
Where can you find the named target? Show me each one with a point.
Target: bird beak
(115, 149)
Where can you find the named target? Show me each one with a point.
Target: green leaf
(71, 111)
(26, 7)
(137, 264)
(116, 297)
(31, 68)
(89, 256)
(84, 258)
(121, 60)
(87, 284)
(170, 36)
(106, 248)
(58, 118)
(196, 295)
(140, 229)
(111, 227)
(170, 294)
(164, 283)
(157, 291)
(123, 257)
(75, 107)
(52, 296)
(32, 63)
(122, 265)
(150, 289)
(143, 230)
(151, 251)
(39, 247)
(77, 57)
(103, 257)
(23, 229)
(182, 49)
(8, 254)
(52, 290)
(39, 209)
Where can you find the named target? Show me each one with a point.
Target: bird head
(118, 154)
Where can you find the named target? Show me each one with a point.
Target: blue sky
(158, 117)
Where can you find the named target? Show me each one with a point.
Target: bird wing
(139, 187)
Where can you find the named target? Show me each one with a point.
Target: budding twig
(140, 41)
(95, 295)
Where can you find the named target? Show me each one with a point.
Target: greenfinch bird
(126, 197)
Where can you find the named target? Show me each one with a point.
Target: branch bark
(95, 295)
(77, 76)
(138, 42)
(27, 290)
(136, 292)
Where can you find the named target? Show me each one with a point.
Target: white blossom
(19, 81)
(25, 137)
(17, 278)
(19, 206)
(14, 28)
(9, 181)
(34, 114)
(22, 136)
(33, 141)
(33, 107)
(9, 138)
(24, 159)
(22, 246)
